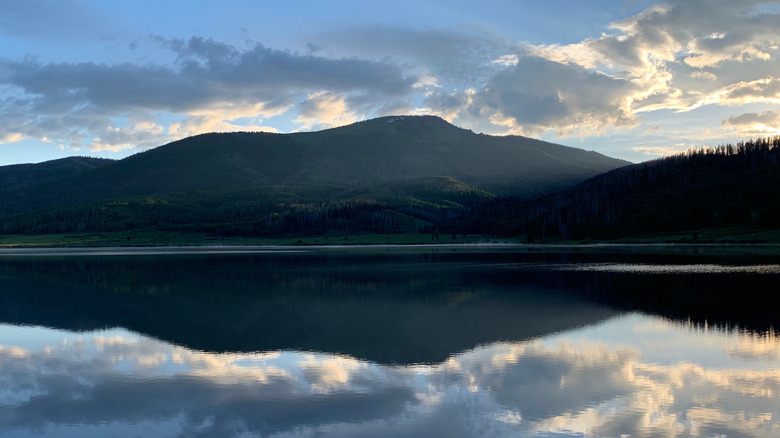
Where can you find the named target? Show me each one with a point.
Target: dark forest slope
(727, 185)
(405, 148)
(18, 176)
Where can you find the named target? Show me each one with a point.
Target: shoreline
(161, 239)
(614, 247)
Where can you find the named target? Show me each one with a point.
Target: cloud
(323, 110)
(770, 118)
(700, 33)
(701, 74)
(566, 378)
(84, 383)
(757, 347)
(506, 60)
(135, 134)
(216, 83)
(666, 150)
(673, 56)
(765, 123)
(683, 55)
(11, 137)
(537, 94)
(207, 74)
(678, 55)
(448, 105)
(484, 81)
(761, 90)
(565, 384)
(199, 124)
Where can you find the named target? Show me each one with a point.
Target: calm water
(446, 341)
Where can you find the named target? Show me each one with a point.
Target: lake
(471, 341)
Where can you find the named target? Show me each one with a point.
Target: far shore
(136, 242)
(168, 239)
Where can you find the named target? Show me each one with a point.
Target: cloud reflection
(594, 382)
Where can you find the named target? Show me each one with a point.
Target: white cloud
(506, 60)
(678, 55)
(11, 137)
(765, 123)
(427, 81)
(195, 125)
(745, 92)
(675, 55)
(324, 110)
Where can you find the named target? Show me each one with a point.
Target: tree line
(418, 206)
(724, 185)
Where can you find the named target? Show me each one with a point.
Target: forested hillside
(18, 176)
(384, 150)
(726, 185)
(388, 175)
(730, 185)
(404, 207)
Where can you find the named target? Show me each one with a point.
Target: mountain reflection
(395, 307)
(634, 374)
(389, 342)
(399, 306)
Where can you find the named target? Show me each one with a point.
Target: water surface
(434, 341)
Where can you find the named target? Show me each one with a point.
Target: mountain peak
(392, 149)
(419, 121)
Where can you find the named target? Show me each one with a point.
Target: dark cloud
(207, 72)
(228, 409)
(545, 383)
(768, 118)
(546, 94)
(444, 102)
(67, 390)
(596, 383)
(207, 77)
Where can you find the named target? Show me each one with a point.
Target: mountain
(388, 149)
(18, 176)
(389, 174)
(405, 148)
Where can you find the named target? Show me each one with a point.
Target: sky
(632, 79)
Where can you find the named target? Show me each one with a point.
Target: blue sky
(633, 79)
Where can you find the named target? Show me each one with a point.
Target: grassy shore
(135, 238)
(723, 234)
(157, 238)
